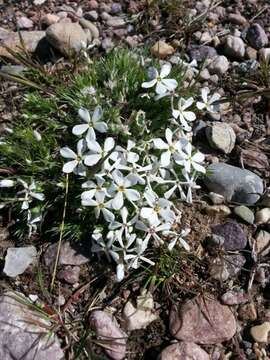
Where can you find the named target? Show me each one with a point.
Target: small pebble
(244, 213)
(260, 332)
(263, 216)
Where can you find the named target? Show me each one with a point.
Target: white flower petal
(132, 195)
(108, 215)
(161, 88)
(118, 201)
(101, 127)
(67, 153)
(94, 146)
(7, 183)
(165, 70)
(92, 159)
(160, 144)
(84, 115)
(189, 115)
(70, 166)
(165, 158)
(149, 84)
(97, 114)
(109, 144)
(198, 157)
(200, 105)
(170, 84)
(79, 129)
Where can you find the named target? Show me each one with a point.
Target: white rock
(263, 216)
(216, 198)
(219, 65)
(142, 315)
(260, 332)
(221, 136)
(18, 259)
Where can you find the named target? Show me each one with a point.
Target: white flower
(29, 194)
(208, 104)
(37, 135)
(130, 156)
(178, 238)
(152, 230)
(136, 172)
(32, 223)
(88, 90)
(100, 206)
(124, 225)
(135, 259)
(94, 188)
(76, 164)
(6, 183)
(190, 184)
(162, 85)
(91, 123)
(183, 114)
(97, 153)
(189, 160)
(157, 207)
(171, 147)
(120, 188)
(100, 245)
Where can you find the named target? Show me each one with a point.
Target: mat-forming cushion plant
(126, 174)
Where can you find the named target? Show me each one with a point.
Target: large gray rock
(68, 38)
(256, 36)
(183, 351)
(202, 320)
(109, 333)
(24, 332)
(235, 184)
(31, 41)
(234, 47)
(18, 259)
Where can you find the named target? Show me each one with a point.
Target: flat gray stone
(235, 184)
(18, 259)
(24, 332)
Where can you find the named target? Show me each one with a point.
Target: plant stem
(61, 235)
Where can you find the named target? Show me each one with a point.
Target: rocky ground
(215, 307)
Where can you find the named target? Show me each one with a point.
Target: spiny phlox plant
(131, 187)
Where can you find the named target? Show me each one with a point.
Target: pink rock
(112, 338)
(70, 274)
(184, 351)
(50, 19)
(234, 297)
(202, 320)
(69, 255)
(24, 23)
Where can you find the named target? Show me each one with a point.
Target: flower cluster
(131, 187)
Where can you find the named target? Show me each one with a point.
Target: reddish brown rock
(107, 329)
(202, 320)
(184, 351)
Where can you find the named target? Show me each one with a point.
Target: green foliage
(53, 111)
